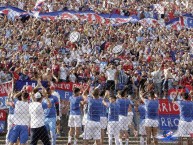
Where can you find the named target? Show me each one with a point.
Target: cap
(37, 95)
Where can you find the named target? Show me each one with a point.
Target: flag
(68, 16)
(188, 22)
(5, 12)
(38, 6)
(149, 22)
(158, 8)
(167, 136)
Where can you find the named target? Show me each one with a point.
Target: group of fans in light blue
(38, 110)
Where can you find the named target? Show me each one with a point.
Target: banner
(113, 19)
(19, 84)
(4, 88)
(64, 89)
(3, 118)
(168, 115)
(168, 120)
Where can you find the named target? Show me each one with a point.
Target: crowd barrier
(168, 110)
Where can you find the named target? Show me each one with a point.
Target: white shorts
(9, 121)
(92, 130)
(113, 128)
(151, 123)
(74, 121)
(104, 122)
(184, 128)
(125, 121)
(142, 130)
(84, 119)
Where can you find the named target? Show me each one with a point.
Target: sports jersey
(142, 111)
(151, 107)
(123, 106)
(186, 110)
(50, 112)
(94, 109)
(75, 105)
(103, 109)
(113, 111)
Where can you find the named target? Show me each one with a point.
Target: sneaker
(81, 136)
(75, 142)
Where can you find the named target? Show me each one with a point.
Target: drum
(74, 36)
(118, 49)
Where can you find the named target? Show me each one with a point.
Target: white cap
(38, 95)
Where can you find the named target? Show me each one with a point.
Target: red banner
(3, 115)
(69, 86)
(5, 88)
(168, 108)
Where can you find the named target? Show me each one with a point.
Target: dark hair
(112, 96)
(76, 90)
(95, 92)
(48, 90)
(186, 96)
(25, 95)
(35, 90)
(152, 94)
(102, 93)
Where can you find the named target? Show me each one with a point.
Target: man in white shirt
(157, 80)
(111, 77)
(21, 120)
(37, 121)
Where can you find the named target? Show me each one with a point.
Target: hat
(37, 95)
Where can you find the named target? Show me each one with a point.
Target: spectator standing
(111, 77)
(37, 125)
(157, 80)
(185, 122)
(11, 101)
(50, 114)
(113, 118)
(92, 126)
(74, 121)
(21, 120)
(151, 121)
(142, 131)
(125, 116)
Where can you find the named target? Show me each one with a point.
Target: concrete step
(63, 141)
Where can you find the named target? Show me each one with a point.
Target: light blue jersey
(75, 105)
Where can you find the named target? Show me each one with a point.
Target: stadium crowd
(148, 59)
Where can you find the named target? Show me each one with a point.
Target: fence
(168, 116)
(139, 51)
